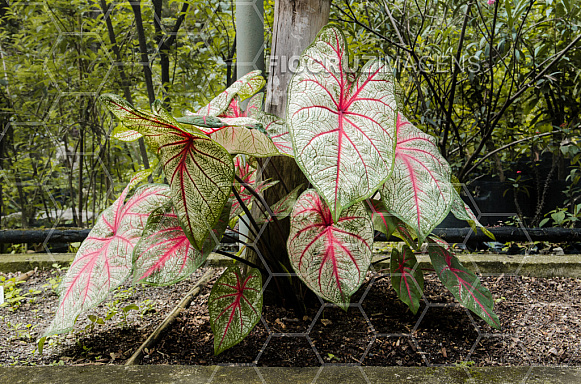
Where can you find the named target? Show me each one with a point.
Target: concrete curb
(492, 264)
(321, 375)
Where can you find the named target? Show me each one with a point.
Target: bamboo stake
(154, 338)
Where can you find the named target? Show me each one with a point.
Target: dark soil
(541, 325)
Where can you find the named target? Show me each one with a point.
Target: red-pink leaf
(342, 127)
(419, 191)
(103, 261)
(463, 284)
(407, 277)
(246, 172)
(235, 305)
(164, 255)
(332, 258)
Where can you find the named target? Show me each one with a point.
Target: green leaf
(407, 277)
(130, 307)
(383, 221)
(235, 306)
(281, 208)
(462, 211)
(40, 344)
(462, 283)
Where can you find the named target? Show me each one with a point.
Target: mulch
(541, 325)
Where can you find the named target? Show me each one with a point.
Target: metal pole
(249, 48)
(249, 36)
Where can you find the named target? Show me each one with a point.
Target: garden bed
(541, 325)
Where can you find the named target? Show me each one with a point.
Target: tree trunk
(296, 24)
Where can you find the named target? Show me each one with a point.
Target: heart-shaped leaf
(274, 126)
(462, 283)
(419, 191)
(200, 171)
(407, 277)
(281, 208)
(164, 255)
(332, 258)
(235, 305)
(342, 128)
(463, 212)
(103, 261)
(244, 87)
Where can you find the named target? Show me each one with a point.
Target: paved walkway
(248, 375)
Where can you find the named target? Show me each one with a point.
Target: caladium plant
(370, 169)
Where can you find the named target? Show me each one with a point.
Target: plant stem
(246, 262)
(246, 211)
(264, 204)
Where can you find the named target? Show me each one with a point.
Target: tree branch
(498, 115)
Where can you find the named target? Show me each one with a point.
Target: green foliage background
(58, 56)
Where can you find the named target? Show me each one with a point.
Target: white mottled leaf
(419, 191)
(103, 261)
(164, 255)
(199, 170)
(342, 127)
(332, 258)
